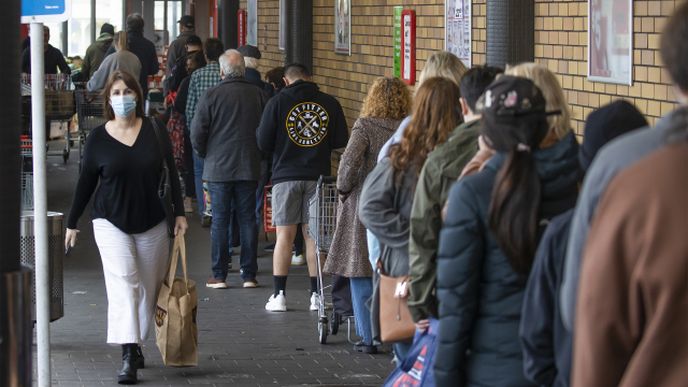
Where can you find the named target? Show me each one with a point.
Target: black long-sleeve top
(182, 96)
(127, 195)
(52, 61)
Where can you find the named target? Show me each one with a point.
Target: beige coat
(348, 254)
(632, 311)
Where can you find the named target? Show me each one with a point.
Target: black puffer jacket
(480, 294)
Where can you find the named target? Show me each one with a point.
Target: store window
(79, 28)
(55, 34)
(109, 12)
(174, 12)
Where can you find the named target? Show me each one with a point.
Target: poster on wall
(342, 27)
(457, 39)
(282, 39)
(252, 20)
(396, 39)
(610, 41)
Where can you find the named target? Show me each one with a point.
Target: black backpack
(177, 74)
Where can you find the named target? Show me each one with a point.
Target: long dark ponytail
(515, 131)
(514, 206)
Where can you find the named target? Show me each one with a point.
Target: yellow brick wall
(348, 77)
(560, 44)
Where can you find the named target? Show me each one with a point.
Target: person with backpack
(178, 70)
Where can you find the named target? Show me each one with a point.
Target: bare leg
(281, 258)
(310, 252)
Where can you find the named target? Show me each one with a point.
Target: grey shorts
(290, 202)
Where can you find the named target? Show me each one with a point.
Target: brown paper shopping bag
(176, 332)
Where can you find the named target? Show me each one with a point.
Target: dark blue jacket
(480, 294)
(546, 343)
(253, 76)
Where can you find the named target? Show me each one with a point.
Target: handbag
(416, 369)
(164, 185)
(396, 323)
(176, 331)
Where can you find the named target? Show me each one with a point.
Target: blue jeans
(264, 178)
(240, 196)
(373, 249)
(361, 291)
(188, 174)
(401, 349)
(198, 162)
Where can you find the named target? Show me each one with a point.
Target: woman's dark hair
(198, 60)
(276, 78)
(132, 83)
(435, 114)
(515, 200)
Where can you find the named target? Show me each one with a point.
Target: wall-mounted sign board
(408, 45)
(43, 11)
(396, 39)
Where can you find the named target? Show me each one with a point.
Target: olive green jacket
(441, 170)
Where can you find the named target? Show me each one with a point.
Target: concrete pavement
(240, 344)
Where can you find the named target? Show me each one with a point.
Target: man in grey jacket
(223, 132)
(624, 153)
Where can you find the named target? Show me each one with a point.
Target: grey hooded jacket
(612, 159)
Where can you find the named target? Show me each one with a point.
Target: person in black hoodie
(545, 342)
(143, 48)
(300, 127)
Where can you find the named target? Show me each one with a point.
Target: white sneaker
(315, 302)
(298, 260)
(277, 304)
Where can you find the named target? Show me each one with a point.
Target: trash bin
(27, 250)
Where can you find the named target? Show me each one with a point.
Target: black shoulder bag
(164, 186)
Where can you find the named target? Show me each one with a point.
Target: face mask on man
(122, 105)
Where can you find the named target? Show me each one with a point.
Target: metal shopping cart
(26, 173)
(89, 110)
(322, 221)
(267, 210)
(59, 106)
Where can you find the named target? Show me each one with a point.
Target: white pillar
(40, 200)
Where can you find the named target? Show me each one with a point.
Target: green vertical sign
(396, 38)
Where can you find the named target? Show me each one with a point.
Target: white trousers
(134, 266)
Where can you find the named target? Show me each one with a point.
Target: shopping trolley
(26, 173)
(322, 221)
(59, 105)
(267, 210)
(90, 114)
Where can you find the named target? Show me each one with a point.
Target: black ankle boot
(139, 362)
(127, 375)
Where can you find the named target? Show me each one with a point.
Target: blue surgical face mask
(122, 105)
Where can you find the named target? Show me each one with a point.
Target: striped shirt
(201, 80)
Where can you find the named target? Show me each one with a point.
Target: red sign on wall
(241, 27)
(408, 46)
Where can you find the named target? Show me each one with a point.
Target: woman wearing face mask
(122, 164)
